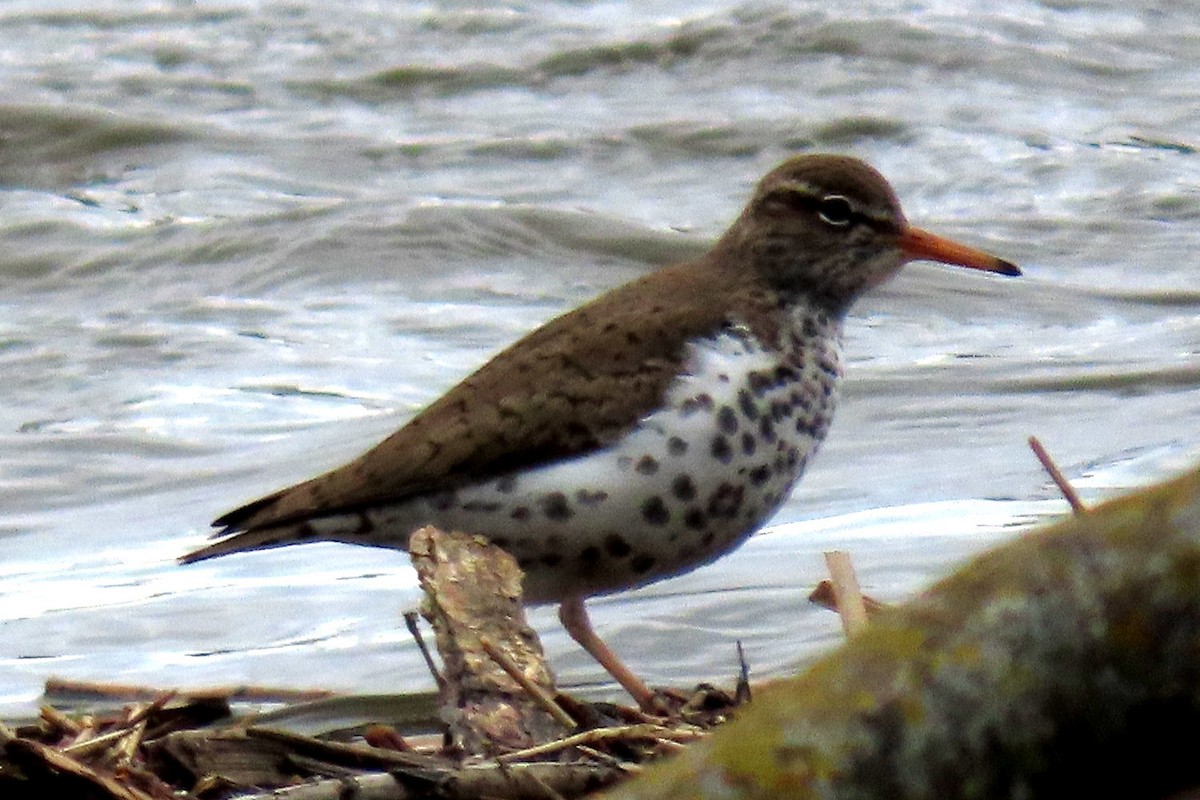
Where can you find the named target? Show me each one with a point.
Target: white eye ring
(835, 210)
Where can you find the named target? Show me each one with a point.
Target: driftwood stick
(473, 593)
(123, 692)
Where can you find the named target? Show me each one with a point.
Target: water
(241, 242)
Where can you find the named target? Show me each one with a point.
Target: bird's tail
(260, 539)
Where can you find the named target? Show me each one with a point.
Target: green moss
(1071, 648)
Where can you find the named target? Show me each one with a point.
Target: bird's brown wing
(569, 387)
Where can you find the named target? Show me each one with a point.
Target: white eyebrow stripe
(815, 192)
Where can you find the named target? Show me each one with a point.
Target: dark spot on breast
(305, 531)
(806, 427)
(727, 420)
(365, 526)
(760, 475)
(749, 444)
(748, 405)
(525, 563)
(556, 507)
(676, 446)
(721, 450)
(695, 519)
(616, 546)
(785, 374)
(481, 506)
(552, 559)
(586, 498)
(589, 555)
(766, 429)
(725, 501)
(642, 563)
(708, 539)
(760, 382)
(655, 511)
(520, 513)
(647, 465)
(683, 487)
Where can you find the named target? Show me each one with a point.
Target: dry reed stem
(1060, 480)
(850, 604)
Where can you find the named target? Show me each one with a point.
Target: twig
(86, 746)
(846, 592)
(640, 731)
(1056, 475)
(410, 622)
(539, 695)
(156, 705)
(128, 747)
(60, 721)
(741, 693)
(61, 762)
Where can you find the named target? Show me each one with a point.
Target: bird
(647, 432)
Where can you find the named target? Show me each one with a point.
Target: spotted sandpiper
(647, 432)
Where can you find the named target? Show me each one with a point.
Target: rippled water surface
(241, 242)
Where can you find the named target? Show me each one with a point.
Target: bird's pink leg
(574, 618)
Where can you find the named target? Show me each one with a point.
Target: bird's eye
(835, 210)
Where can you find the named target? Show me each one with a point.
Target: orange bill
(921, 245)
